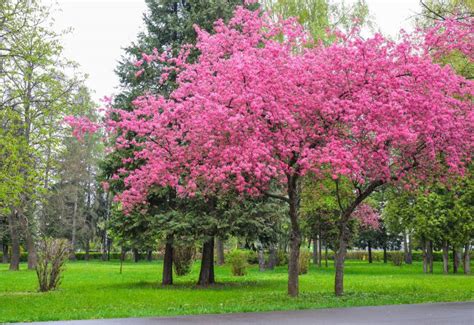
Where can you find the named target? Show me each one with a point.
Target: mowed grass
(97, 290)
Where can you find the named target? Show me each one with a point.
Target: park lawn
(97, 290)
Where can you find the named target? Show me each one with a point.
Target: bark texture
(206, 275)
(295, 237)
(167, 278)
(220, 251)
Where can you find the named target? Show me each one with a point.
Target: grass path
(97, 290)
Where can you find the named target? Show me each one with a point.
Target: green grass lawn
(97, 290)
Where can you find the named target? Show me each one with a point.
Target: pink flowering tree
(259, 109)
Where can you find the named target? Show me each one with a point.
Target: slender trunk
(88, 249)
(15, 242)
(445, 257)
(385, 257)
(455, 261)
(149, 255)
(315, 251)
(430, 254)
(405, 247)
(339, 264)
(467, 258)
(122, 258)
(220, 251)
(136, 255)
(272, 257)
(73, 236)
(369, 247)
(326, 253)
(31, 249)
(261, 259)
(167, 278)
(5, 253)
(206, 275)
(410, 255)
(425, 256)
(295, 236)
(320, 256)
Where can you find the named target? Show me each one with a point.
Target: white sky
(101, 28)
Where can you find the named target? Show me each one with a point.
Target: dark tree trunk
(339, 264)
(206, 275)
(220, 251)
(261, 259)
(88, 249)
(5, 253)
(425, 256)
(295, 236)
(455, 261)
(136, 255)
(31, 249)
(430, 254)
(326, 254)
(315, 251)
(385, 258)
(168, 262)
(320, 256)
(15, 242)
(369, 247)
(149, 255)
(467, 258)
(272, 257)
(122, 258)
(445, 257)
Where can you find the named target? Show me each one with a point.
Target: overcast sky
(101, 28)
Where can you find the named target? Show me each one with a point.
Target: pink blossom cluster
(367, 216)
(260, 105)
(81, 125)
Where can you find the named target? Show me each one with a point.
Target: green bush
(397, 258)
(303, 261)
(183, 257)
(238, 261)
(282, 258)
(252, 257)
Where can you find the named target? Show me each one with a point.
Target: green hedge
(81, 256)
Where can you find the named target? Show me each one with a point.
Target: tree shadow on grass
(191, 285)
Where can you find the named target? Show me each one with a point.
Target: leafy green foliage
(237, 259)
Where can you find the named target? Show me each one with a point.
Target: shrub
(397, 258)
(238, 261)
(282, 258)
(183, 257)
(52, 257)
(303, 261)
(252, 257)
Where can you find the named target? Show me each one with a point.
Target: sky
(102, 28)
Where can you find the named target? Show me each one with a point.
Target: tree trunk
(31, 249)
(272, 257)
(220, 251)
(206, 275)
(261, 259)
(455, 261)
(88, 249)
(73, 236)
(320, 255)
(425, 256)
(315, 251)
(385, 258)
(149, 255)
(136, 255)
(445, 257)
(122, 258)
(326, 253)
(407, 248)
(430, 254)
(295, 237)
(339, 264)
(467, 258)
(168, 262)
(5, 253)
(15, 242)
(369, 247)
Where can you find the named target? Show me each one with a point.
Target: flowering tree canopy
(264, 104)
